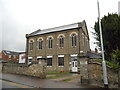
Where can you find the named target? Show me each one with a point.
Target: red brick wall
(4, 57)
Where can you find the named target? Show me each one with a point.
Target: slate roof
(57, 29)
(92, 55)
(10, 52)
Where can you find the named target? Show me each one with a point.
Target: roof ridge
(56, 29)
(61, 26)
(35, 31)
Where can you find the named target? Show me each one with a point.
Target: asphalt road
(8, 84)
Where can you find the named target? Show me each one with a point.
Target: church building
(63, 47)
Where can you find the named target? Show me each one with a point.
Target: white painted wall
(22, 58)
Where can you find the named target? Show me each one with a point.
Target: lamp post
(103, 57)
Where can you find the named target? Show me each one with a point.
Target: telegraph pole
(103, 57)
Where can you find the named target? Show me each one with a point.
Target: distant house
(9, 55)
(0, 56)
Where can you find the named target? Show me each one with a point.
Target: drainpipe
(26, 61)
(35, 43)
(79, 45)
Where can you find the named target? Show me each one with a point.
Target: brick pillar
(84, 70)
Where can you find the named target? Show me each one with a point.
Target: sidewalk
(39, 83)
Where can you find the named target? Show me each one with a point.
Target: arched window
(50, 42)
(40, 42)
(61, 41)
(31, 44)
(74, 40)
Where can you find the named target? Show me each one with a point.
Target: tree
(111, 34)
(116, 57)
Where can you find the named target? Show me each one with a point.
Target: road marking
(15, 84)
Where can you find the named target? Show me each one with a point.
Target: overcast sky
(20, 17)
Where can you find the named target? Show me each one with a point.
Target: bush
(112, 65)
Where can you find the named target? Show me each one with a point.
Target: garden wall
(95, 75)
(36, 70)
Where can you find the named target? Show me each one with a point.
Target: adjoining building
(63, 46)
(22, 57)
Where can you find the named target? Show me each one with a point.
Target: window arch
(50, 41)
(61, 41)
(31, 44)
(74, 40)
(40, 42)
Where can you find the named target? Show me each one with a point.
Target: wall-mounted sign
(83, 62)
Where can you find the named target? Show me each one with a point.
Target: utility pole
(103, 57)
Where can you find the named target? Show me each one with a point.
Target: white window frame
(40, 44)
(61, 41)
(50, 42)
(30, 58)
(9, 56)
(74, 40)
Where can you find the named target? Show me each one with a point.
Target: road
(8, 84)
(37, 82)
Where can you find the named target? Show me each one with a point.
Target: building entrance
(74, 64)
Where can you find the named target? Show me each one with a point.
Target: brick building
(0, 56)
(9, 55)
(62, 46)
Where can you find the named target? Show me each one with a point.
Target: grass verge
(66, 80)
(51, 73)
(53, 77)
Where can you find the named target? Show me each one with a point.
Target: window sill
(60, 66)
(49, 66)
(50, 48)
(74, 46)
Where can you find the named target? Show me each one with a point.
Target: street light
(103, 57)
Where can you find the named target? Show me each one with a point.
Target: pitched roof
(92, 55)
(10, 52)
(56, 29)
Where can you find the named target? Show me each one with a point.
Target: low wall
(36, 70)
(95, 74)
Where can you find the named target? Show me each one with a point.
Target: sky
(21, 17)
